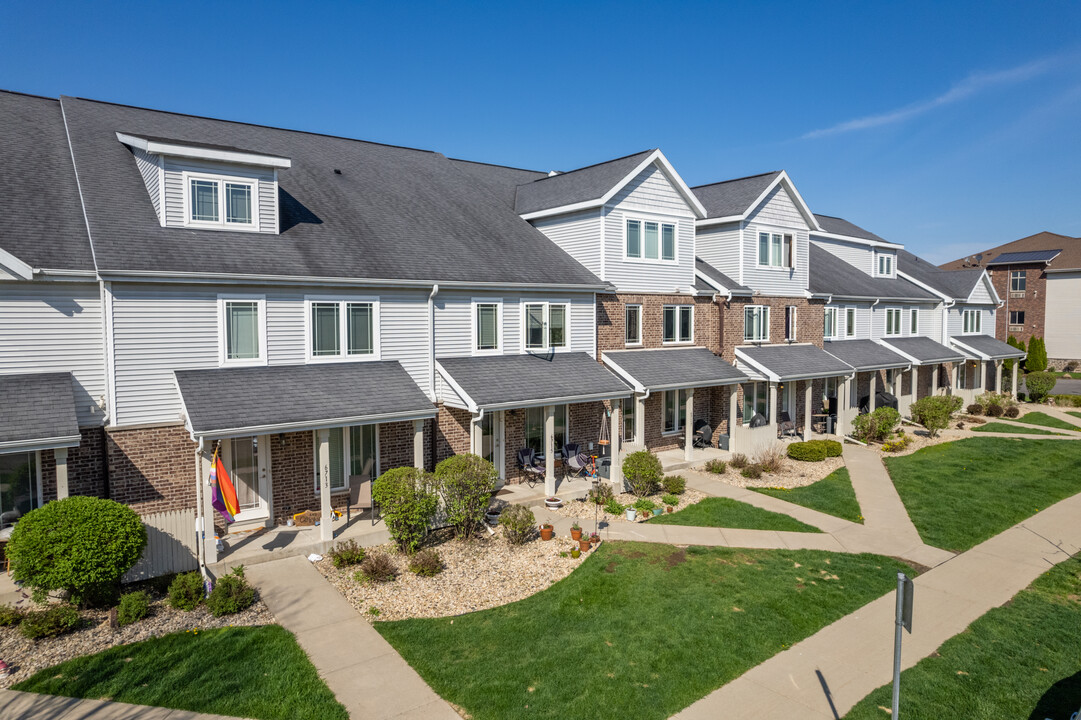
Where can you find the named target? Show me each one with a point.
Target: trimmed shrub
(518, 524)
(408, 504)
(1037, 357)
(186, 591)
(230, 595)
(716, 466)
(346, 553)
(833, 447)
(10, 615)
(134, 606)
(614, 507)
(601, 494)
(426, 563)
(771, 458)
(751, 472)
(674, 485)
(1012, 411)
(378, 567)
(739, 461)
(877, 425)
(642, 471)
(644, 505)
(810, 451)
(1038, 384)
(995, 410)
(50, 622)
(974, 409)
(81, 545)
(934, 411)
(670, 499)
(466, 483)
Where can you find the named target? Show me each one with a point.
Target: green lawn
(960, 493)
(728, 513)
(1001, 427)
(1045, 420)
(253, 672)
(639, 630)
(1075, 414)
(1017, 661)
(832, 494)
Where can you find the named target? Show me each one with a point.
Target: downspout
(200, 535)
(432, 454)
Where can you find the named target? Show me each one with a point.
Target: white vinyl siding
(719, 246)
(980, 294)
(776, 214)
(955, 320)
(1064, 294)
(858, 256)
(151, 173)
(56, 327)
(652, 191)
(264, 199)
(578, 234)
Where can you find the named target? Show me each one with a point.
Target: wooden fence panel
(170, 545)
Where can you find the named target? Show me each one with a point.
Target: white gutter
(51, 443)
(431, 340)
(222, 433)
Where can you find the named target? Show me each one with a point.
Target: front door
(489, 441)
(247, 462)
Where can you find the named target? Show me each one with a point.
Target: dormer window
(775, 250)
(885, 265)
(220, 201)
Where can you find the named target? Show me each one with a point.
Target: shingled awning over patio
(782, 363)
(985, 347)
(866, 355)
(671, 368)
(37, 412)
(923, 350)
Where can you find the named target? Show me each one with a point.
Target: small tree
(408, 504)
(81, 545)
(1007, 365)
(643, 471)
(466, 484)
(1039, 384)
(1037, 356)
(934, 411)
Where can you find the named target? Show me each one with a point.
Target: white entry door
(488, 441)
(247, 460)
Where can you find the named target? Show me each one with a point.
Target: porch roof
(671, 368)
(495, 382)
(866, 355)
(37, 412)
(230, 402)
(923, 350)
(779, 363)
(985, 347)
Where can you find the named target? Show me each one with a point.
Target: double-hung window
(850, 322)
(1017, 317)
(675, 410)
(775, 249)
(487, 319)
(970, 322)
(242, 323)
(893, 321)
(755, 401)
(678, 324)
(545, 325)
(650, 240)
(790, 323)
(227, 202)
(534, 428)
(914, 321)
(756, 323)
(343, 329)
(829, 325)
(885, 265)
(1018, 280)
(353, 453)
(633, 319)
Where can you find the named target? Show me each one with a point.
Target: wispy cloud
(970, 86)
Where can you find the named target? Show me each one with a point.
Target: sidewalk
(26, 706)
(363, 671)
(829, 672)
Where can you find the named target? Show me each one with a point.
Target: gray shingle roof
(670, 368)
(733, 197)
(793, 362)
(865, 354)
(985, 347)
(840, 226)
(719, 277)
(828, 274)
(924, 350)
(393, 213)
(298, 397)
(42, 219)
(500, 180)
(527, 380)
(1030, 256)
(37, 407)
(956, 284)
(575, 186)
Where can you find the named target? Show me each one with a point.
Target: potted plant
(594, 539)
(657, 511)
(631, 514)
(670, 508)
(583, 543)
(576, 553)
(553, 503)
(576, 531)
(546, 531)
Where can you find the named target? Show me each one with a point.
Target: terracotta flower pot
(547, 533)
(576, 534)
(670, 508)
(584, 545)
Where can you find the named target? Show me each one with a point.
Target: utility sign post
(903, 620)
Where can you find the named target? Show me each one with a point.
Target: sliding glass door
(20, 486)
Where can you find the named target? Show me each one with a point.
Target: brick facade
(810, 321)
(86, 466)
(152, 469)
(1033, 304)
(612, 320)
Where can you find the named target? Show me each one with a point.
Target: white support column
(934, 379)
(418, 444)
(688, 426)
(874, 388)
(61, 456)
(326, 526)
(998, 376)
(844, 404)
(550, 450)
(1013, 382)
(616, 474)
(210, 548)
(958, 368)
(981, 376)
(733, 409)
(640, 421)
(807, 409)
(915, 383)
(773, 408)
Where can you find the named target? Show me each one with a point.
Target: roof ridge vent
(553, 173)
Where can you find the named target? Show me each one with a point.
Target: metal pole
(898, 623)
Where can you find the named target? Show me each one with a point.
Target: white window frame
(1010, 318)
(914, 321)
(765, 323)
(625, 404)
(626, 308)
(897, 326)
(223, 300)
(768, 265)
(836, 316)
(890, 262)
(977, 324)
(1021, 275)
(791, 325)
(474, 328)
(850, 327)
(566, 347)
(343, 328)
(680, 395)
(679, 312)
(347, 460)
(661, 222)
(221, 224)
(752, 398)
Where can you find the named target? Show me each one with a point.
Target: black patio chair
(527, 460)
(703, 435)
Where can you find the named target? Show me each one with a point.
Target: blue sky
(949, 127)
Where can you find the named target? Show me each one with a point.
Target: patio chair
(574, 463)
(703, 435)
(527, 460)
(786, 426)
(759, 420)
(360, 492)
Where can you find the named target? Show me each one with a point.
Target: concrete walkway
(829, 672)
(363, 671)
(31, 706)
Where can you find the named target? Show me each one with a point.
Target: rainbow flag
(224, 498)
